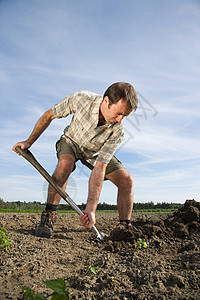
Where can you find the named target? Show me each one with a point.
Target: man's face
(115, 112)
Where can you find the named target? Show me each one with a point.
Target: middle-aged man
(95, 132)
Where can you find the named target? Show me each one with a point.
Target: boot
(45, 228)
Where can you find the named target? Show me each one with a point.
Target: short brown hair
(122, 90)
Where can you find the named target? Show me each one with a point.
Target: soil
(168, 268)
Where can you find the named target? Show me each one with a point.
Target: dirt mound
(178, 224)
(187, 219)
(158, 258)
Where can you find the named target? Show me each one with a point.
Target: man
(94, 134)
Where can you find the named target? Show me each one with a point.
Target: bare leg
(60, 175)
(124, 181)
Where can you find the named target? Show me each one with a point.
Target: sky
(52, 48)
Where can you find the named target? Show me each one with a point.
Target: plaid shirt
(90, 141)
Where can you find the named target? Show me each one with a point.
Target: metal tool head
(100, 235)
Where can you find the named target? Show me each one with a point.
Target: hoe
(29, 157)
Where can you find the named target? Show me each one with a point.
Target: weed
(91, 270)
(141, 244)
(57, 285)
(31, 295)
(5, 243)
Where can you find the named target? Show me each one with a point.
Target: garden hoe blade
(30, 158)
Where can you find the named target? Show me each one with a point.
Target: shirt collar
(96, 104)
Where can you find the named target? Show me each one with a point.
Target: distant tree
(101, 206)
(11, 205)
(2, 204)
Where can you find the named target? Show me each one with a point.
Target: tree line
(101, 206)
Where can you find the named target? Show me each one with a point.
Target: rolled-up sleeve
(67, 106)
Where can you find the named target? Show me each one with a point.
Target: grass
(157, 210)
(40, 211)
(30, 211)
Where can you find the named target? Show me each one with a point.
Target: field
(169, 268)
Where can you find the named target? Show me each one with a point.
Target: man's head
(119, 100)
(124, 91)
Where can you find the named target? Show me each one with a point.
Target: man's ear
(106, 99)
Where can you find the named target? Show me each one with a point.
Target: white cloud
(49, 50)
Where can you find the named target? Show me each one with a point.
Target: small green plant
(141, 244)
(5, 243)
(31, 295)
(91, 270)
(57, 285)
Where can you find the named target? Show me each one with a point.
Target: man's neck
(102, 121)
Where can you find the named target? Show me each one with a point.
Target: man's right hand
(24, 145)
(87, 219)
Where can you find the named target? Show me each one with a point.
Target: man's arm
(95, 183)
(40, 126)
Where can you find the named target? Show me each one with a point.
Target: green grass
(157, 210)
(40, 211)
(30, 211)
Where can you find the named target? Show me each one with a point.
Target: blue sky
(49, 49)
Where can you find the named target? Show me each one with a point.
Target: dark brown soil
(169, 268)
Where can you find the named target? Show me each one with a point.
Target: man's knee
(66, 162)
(122, 179)
(127, 181)
(64, 168)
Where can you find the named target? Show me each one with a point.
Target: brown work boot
(45, 228)
(123, 224)
(122, 232)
